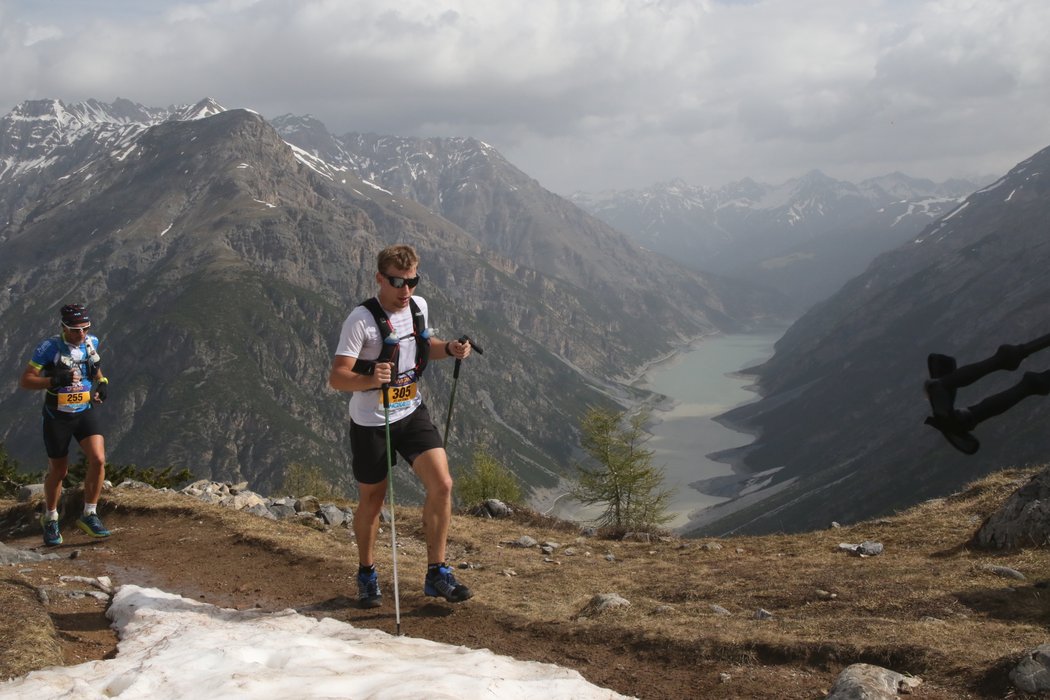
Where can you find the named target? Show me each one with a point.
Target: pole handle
(473, 344)
(459, 363)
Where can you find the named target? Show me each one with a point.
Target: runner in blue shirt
(67, 368)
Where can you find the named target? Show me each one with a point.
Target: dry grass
(27, 636)
(926, 606)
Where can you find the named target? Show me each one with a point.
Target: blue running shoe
(440, 583)
(92, 525)
(368, 595)
(52, 536)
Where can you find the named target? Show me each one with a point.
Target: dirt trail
(194, 557)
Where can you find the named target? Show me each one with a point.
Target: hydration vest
(91, 358)
(65, 359)
(391, 344)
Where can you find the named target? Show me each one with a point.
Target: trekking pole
(455, 381)
(390, 489)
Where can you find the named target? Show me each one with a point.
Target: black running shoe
(368, 595)
(942, 399)
(440, 583)
(940, 365)
(955, 429)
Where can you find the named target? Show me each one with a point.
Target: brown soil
(666, 646)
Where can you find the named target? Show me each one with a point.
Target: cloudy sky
(583, 94)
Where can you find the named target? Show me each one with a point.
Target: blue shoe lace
(440, 583)
(368, 589)
(92, 525)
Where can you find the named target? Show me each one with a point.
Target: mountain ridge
(804, 237)
(219, 262)
(853, 368)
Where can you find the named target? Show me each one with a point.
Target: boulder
(864, 549)
(491, 508)
(282, 511)
(1022, 521)
(29, 492)
(1032, 675)
(307, 504)
(603, 602)
(868, 682)
(332, 515)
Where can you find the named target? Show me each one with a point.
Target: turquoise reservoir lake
(700, 383)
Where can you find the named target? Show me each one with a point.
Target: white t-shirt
(361, 338)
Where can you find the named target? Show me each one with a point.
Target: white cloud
(37, 33)
(588, 94)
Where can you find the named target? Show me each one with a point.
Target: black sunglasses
(399, 282)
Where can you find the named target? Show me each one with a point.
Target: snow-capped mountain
(805, 237)
(839, 424)
(43, 140)
(216, 252)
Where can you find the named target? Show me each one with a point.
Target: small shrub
(308, 480)
(158, 478)
(486, 479)
(10, 478)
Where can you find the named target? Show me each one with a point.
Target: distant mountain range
(805, 237)
(219, 254)
(840, 422)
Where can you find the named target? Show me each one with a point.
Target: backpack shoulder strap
(91, 356)
(419, 329)
(387, 352)
(62, 348)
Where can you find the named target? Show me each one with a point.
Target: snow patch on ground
(173, 647)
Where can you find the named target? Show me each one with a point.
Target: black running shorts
(60, 427)
(409, 437)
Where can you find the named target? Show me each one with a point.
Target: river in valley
(701, 382)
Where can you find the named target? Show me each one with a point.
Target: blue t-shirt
(54, 352)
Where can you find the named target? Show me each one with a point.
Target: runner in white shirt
(413, 434)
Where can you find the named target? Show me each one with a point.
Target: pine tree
(623, 477)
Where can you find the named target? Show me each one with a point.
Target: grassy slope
(927, 606)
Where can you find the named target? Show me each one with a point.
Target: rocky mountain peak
(248, 251)
(203, 109)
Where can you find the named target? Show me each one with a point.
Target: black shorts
(409, 437)
(60, 427)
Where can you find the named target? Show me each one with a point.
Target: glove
(102, 390)
(61, 376)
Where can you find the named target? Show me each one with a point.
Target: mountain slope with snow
(840, 422)
(805, 237)
(219, 259)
